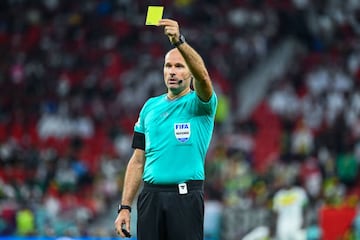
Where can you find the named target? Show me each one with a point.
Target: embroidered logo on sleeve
(182, 131)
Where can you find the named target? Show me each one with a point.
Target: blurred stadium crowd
(74, 74)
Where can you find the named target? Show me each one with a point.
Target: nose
(172, 74)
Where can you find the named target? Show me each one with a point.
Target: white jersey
(289, 204)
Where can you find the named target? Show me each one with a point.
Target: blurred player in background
(289, 205)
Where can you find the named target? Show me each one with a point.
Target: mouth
(173, 81)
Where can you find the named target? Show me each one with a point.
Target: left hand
(123, 218)
(171, 29)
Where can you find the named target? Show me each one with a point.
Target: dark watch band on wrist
(181, 41)
(121, 207)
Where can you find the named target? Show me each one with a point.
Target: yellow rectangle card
(154, 14)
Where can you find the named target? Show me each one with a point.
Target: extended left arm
(202, 81)
(195, 63)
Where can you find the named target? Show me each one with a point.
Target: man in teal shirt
(171, 139)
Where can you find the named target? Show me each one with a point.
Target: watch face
(182, 38)
(121, 207)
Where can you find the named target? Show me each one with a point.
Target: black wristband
(121, 207)
(181, 41)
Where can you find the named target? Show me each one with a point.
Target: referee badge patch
(182, 131)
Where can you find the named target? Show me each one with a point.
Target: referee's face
(177, 75)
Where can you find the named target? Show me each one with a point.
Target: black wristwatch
(181, 41)
(121, 207)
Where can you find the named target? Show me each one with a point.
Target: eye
(178, 65)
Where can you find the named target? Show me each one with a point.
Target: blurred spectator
(356, 224)
(302, 140)
(25, 222)
(347, 168)
(212, 219)
(311, 177)
(215, 171)
(283, 100)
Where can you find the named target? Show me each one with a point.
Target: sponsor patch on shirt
(182, 131)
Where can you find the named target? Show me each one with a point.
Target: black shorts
(165, 214)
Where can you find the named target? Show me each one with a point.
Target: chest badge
(182, 131)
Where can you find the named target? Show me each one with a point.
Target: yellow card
(154, 14)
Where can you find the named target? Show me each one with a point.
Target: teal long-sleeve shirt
(177, 136)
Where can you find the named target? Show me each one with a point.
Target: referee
(171, 139)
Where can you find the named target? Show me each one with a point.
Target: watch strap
(181, 41)
(121, 207)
